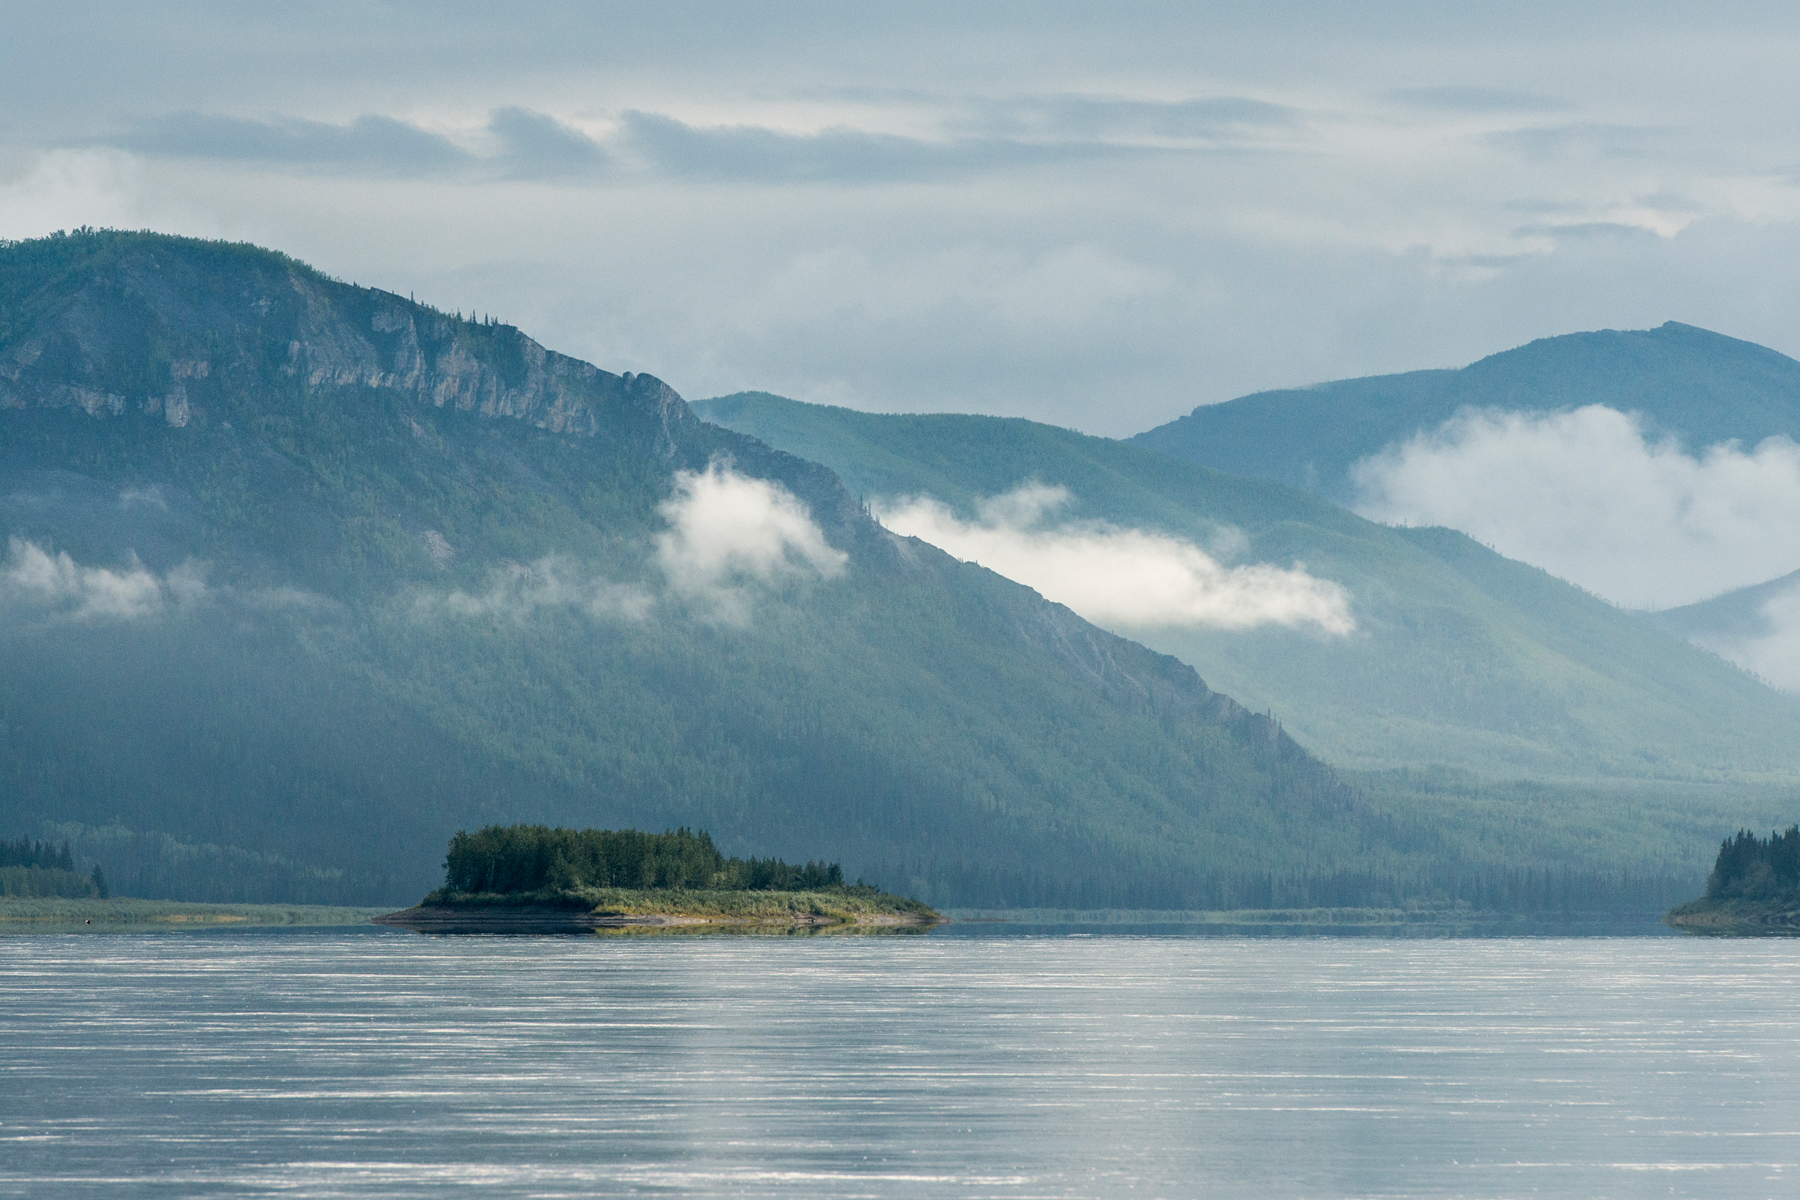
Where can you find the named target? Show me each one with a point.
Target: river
(957, 1064)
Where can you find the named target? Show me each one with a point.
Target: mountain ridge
(1675, 375)
(285, 431)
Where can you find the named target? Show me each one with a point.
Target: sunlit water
(387, 1064)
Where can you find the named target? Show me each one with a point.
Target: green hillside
(1466, 668)
(303, 577)
(1700, 387)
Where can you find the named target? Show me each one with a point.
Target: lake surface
(351, 1063)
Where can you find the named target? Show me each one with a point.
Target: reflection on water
(959, 1064)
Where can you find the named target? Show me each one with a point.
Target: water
(377, 1063)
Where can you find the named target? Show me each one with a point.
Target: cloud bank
(55, 585)
(729, 533)
(1121, 578)
(1587, 496)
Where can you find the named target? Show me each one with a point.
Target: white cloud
(59, 586)
(515, 591)
(728, 532)
(1121, 578)
(1773, 654)
(1588, 497)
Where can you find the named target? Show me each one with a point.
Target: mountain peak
(191, 331)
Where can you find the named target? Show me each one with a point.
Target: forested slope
(1470, 680)
(301, 577)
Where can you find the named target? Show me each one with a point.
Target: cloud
(1121, 578)
(841, 155)
(537, 146)
(516, 591)
(728, 532)
(1208, 119)
(1471, 99)
(1587, 142)
(61, 588)
(525, 145)
(1587, 496)
(369, 143)
(1773, 653)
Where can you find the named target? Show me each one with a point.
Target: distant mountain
(1461, 660)
(1699, 387)
(1756, 627)
(301, 577)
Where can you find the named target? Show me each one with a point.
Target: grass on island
(844, 904)
(534, 866)
(34, 914)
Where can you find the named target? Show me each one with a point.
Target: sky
(1096, 215)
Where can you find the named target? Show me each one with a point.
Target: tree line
(532, 858)
(1757, 868)
(29, 868)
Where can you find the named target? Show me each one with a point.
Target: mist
(56, 586)
(1120, 578)
(1768, 644)
(1587, 496)
(730, 534)
(516, 591)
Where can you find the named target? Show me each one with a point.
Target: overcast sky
(1098, 215)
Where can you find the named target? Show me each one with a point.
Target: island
(537, 879)
(1754, 889)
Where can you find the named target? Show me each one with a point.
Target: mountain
(302, 577)
(1757, 627)
(1699, 387)
(1498, 691)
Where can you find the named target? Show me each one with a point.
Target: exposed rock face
(184, 326)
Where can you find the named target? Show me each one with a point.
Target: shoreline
(126, 914)
(1734, 918)
(546, 918)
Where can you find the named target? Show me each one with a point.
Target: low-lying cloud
(517, 591)
(1587, 496)
(57, 586)
(1121, 578)
(729, 537)
(1758, 630)
(729, 533)
(1776, 654)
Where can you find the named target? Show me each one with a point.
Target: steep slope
(1460, 659)
(1699, 387)
(303, 576)
(1757, 627)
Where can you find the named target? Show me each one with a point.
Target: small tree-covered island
(1754, 888)
(535, 879)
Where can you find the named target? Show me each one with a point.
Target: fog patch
(1773, 653)
(57, 586)
(517, 591)
(439, 548)
(148, 497)
(730, 534)
(1121, 578)
(1587, 496)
